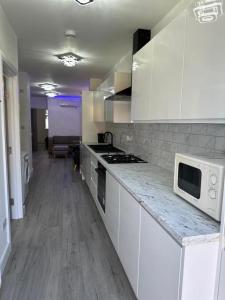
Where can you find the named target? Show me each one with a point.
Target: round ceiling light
(84, 2)
(51, 94)
(48, 86)
(69, 60)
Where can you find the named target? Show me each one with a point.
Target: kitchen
(145, 210)
(175, 76)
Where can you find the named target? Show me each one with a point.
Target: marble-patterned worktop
(152, 187)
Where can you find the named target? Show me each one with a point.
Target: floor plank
(61, 250)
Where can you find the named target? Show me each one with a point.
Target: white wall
(25, 116)
(64, 121)
(39, 102)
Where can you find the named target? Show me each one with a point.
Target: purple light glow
(69, 98)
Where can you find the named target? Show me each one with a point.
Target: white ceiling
(104, 34)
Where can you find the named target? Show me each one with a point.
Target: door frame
(7, 248)
(13, 117)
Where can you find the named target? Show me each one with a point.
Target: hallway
(61, 250)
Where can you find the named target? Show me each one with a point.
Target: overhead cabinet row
(179, 74)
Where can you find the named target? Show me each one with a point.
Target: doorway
(39, 128)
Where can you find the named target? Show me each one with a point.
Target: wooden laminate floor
(61, 250)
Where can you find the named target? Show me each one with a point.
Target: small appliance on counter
(101, 138)
(199, 179)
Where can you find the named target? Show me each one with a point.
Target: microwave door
(189, 180)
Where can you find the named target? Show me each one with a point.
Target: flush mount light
(51, 94)
(207, 11)
(48, 86)
(84, 2)
(69, 59)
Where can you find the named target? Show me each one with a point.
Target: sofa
(62, 145)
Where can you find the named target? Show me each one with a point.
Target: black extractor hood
(124, 95)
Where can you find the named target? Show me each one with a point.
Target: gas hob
(122, 159)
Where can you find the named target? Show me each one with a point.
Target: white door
(4, 204)
(204, 71)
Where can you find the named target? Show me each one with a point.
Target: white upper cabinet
(168, 50)
(116, 82)
(99, 108)
(157, 75)
(142, 83)
(118, 111)
(204, 69)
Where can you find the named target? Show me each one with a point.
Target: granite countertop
(152, 187)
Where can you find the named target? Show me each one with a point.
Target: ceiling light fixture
(84, 2)
(69, 59)
(51, 94)
(207, 11)
(48, 86)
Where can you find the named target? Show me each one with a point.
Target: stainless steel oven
(101, 171)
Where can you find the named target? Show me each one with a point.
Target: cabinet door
(109, 111)
(142, 83)
(160, 257)
(204, 71)
(112, 209)
(86, 165)
(168, 52)
(99, 108)
(121, 112)
(129, 236)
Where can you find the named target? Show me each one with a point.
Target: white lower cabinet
(157, 267)
(160, 259)
(129, 235)
(112, 209)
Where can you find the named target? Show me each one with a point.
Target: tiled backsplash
(158, 143)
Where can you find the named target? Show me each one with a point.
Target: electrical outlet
(129, 138)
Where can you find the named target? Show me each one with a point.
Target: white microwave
(200, 180)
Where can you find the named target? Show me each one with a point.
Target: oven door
(101, 171)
